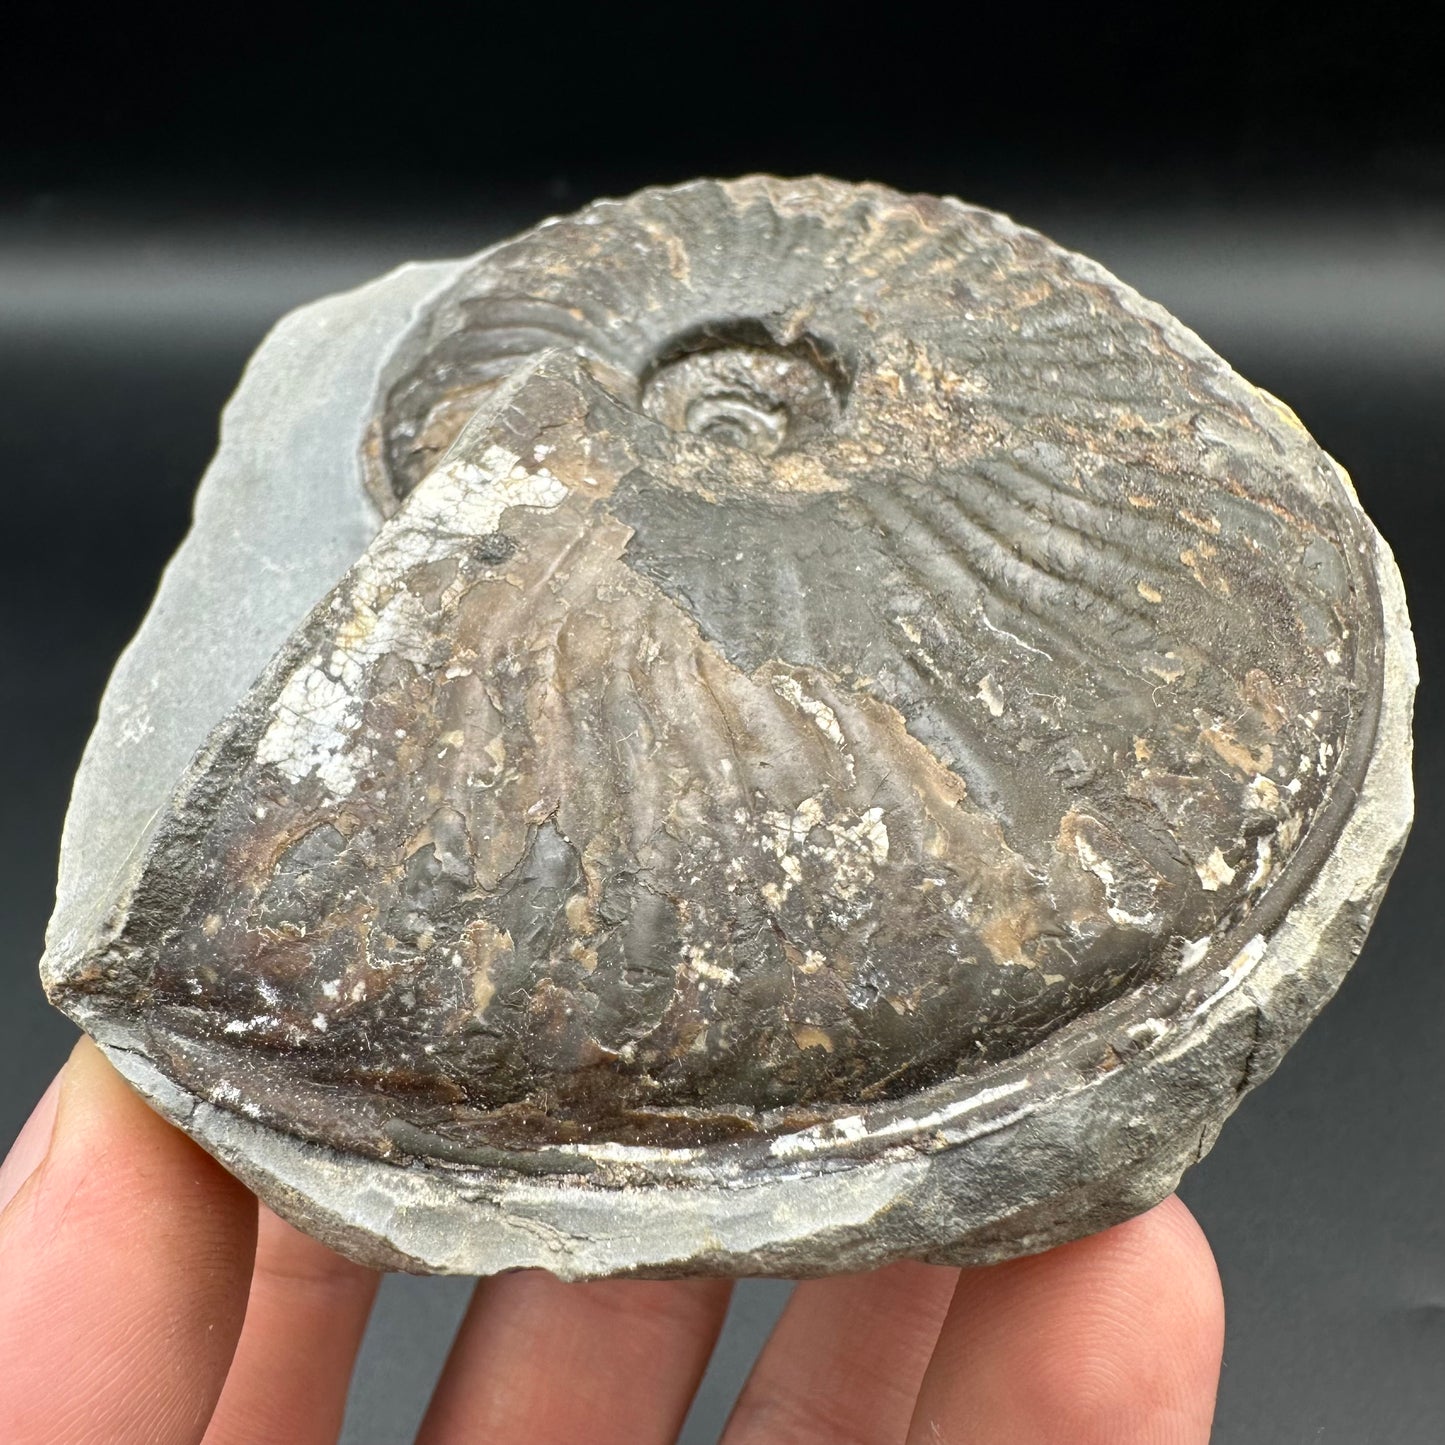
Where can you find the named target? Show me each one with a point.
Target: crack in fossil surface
(939, 656)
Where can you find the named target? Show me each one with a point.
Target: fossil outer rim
(892, 1184)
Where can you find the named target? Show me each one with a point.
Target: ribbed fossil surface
(821, 642)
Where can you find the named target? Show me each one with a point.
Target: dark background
(1275, 177)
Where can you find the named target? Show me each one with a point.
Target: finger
(845, 1361)
(1112, 1339)
(304, 1322)
(124, 1262)
(613, 1363)
(30, 1145)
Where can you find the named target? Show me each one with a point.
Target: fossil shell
(844, 695)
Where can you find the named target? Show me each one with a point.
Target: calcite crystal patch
(765, 727)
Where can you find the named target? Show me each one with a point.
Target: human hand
(145, 1300)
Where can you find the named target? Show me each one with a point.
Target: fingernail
(31, 1145)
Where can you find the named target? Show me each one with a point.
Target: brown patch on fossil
(1236, 754)
(489, 951)
(1260, 692)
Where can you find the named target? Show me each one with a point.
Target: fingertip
(127, 1253)
(1114, 1337)
(1136, 1316)
(304, 1323)
(113, 1152)
(1170, 1237)
(31, 1145)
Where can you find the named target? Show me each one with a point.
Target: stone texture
(838, 731)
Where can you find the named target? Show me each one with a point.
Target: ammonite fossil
(836, 731)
